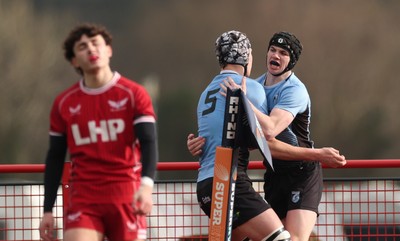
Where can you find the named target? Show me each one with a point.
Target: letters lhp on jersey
(107, 130)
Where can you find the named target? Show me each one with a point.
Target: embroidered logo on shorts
(74, 217)
(131, 226)
(206, 199)
(295, 196)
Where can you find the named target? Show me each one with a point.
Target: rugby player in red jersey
(101, 120)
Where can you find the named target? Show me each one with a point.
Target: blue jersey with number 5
(211, 113)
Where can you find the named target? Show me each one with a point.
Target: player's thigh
(82, 234)
(300, 223)
(237, 235)
(261, 226)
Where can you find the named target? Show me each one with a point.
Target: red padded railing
(176, 166)
(352, 209)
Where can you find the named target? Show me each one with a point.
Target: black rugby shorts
(298, 187)
(247, 204)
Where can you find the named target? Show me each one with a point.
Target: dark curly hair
(75, 35)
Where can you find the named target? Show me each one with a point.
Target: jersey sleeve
(57, 124)
(144, 124)
(143, 107)
(294, 99)
(257, 97)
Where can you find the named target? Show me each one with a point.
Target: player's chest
(99, 108)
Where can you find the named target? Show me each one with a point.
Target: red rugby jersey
(101, 139)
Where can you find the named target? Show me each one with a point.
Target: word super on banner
(223, 195)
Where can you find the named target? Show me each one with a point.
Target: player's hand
(230, 83)
(46, 227)
(332, 158)
(244, 86)
(142, 200)
(195, 144)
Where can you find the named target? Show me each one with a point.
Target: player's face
(277, 59)
(91, 53)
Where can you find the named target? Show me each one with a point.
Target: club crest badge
(295, 196)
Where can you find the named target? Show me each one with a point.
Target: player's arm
(272, 124)
(275, 123)
(326, 155)
(283, 151)
(147, 135)
(52, 177)
(53, 170)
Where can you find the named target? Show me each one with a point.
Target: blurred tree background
(350, 52)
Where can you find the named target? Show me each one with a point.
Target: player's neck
(97, 79)
(271, 79)
(235, 67)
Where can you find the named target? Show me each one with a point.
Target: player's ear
(109, 51)
(74, 63)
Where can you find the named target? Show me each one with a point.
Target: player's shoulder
(129, 83)
(136, 89)
(292, 84)
(68, 91)
(126, 81)
(254, 85)
(294, 80)
(296, 88)
(253, 82)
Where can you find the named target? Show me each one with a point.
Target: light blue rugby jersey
(291, 95)
(211, 112)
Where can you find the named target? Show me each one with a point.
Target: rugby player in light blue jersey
(294, 188)
(252, 216)
(211, 109)
(212, 130)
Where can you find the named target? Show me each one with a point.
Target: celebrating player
(252, 216)
(301, 217)
(294, 189)
(106, 122)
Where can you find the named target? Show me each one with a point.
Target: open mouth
(273, 62)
